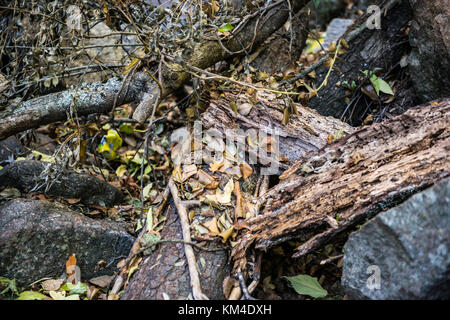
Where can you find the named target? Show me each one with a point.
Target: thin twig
(188, 251)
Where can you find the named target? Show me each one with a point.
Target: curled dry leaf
(226, 234)
(207, 180)
(239, 209)
(246, 170)
(211, 225)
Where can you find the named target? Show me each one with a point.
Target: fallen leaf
(52, 285)
(246, 170)
(307, 285)
(102, 281)
(226, 234)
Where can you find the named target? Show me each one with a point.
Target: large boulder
(32, 175)
(37, 238)
(404, 252)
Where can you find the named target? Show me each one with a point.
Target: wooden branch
(188, 251)
(371, 170)
(87, 99)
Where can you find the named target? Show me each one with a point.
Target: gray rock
(29, 176)
(37, 238)
(407, 247)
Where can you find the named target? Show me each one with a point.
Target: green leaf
(307, 285)
(31, 295)
(227, 27)
(79, 288)
(126, 128)
(385, 87)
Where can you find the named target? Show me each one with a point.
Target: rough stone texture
(25, 176)
(410, 244)
(37, 238)
(429, 61)
(166, 270)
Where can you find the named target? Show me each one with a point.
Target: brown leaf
(102, 281)
(239, 210)
(246, 170)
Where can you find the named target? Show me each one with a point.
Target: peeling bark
(370, 170)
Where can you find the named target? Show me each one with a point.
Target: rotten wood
(369, 49)
(354, 178)
(306, 131)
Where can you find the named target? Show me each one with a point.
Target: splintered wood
(328, 191)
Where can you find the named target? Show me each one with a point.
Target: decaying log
(304, 132)
(373, 169)
(372, 48)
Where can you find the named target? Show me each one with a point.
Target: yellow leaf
(177, 175)
(130, 66)
(121, 170)
(226, 234)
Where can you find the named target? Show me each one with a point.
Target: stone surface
(31, 175)
(37, 238)
(409, 245)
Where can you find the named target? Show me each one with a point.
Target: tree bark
(305, 131)
(356, 177)
(371, 49)
(429, 61)
(87, 99)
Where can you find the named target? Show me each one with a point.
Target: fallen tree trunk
(164, 271)
(369, 49)
(353, 179)
(305, 131)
